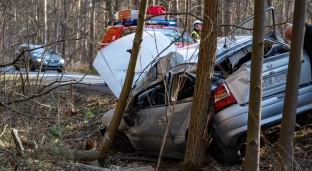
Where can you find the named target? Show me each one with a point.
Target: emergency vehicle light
(133, 22)
(171, 22)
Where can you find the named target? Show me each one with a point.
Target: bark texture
(122, 101)
(285, 145)
(196, 145)
(255, 98)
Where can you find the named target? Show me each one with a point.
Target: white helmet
(197, 22)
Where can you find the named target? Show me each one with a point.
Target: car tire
(60, 70)
(16, 67)
(122, 143)
(231, 155)
(32, 67)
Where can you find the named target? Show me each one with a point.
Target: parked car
(173, 32)
(39, 55)
(155, 99)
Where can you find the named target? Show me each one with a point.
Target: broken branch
(17, 140)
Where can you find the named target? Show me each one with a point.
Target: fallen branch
(3, 130)
(13, 62)
(79, 155)
(17, 140)
(84, 167)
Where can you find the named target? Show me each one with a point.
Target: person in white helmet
(197, 29)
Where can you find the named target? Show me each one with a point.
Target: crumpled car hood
(112, 61)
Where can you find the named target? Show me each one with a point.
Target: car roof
(32, 45)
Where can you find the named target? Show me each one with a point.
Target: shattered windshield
(246, 27)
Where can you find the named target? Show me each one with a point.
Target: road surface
(67, 76)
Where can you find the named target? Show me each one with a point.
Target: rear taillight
(223, 97)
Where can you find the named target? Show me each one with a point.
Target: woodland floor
(71, 117)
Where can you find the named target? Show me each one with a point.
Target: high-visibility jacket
(195, 34)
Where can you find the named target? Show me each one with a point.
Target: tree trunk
(122, 101)
(77, 43)
(227, 15)
(109, 10)
(238, 12)
(84, 16)
(285, 145)
(91, 44)
(269, 3)
(64, 28)
(255, 98)
(196, 145)
(186, 9)
(45, 22)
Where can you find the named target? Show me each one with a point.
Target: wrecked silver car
(163, 97)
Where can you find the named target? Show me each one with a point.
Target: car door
(179, 108)
(151, 120)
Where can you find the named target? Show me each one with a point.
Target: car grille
(53, 61)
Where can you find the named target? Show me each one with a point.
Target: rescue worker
(197, 29)
(307, 44)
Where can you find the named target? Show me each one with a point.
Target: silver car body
(173, 108)
(41, 55)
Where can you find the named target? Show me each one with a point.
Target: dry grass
(81, 67)
(64, 118)
(69, 117)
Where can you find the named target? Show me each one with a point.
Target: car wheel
(60, 70)
(122, 143)
(231, 155)
(32, 67)
(16, 67)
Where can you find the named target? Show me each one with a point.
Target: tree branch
(13, 62)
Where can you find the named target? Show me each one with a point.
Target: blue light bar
(172, 22)
(133, 22)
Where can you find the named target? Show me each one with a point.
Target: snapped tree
(196, 145)
(122, 101)
(285, 145)
(255, 98)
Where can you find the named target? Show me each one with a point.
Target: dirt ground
(70, 117)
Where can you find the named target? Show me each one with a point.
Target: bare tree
(196, 145)
(121, 104)
(285, 148)
(255, 98)
(91, 44)
(45, 22)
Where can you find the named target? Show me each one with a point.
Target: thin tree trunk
(64, 28)
(269, 3)
(109, 11)
(238, 12)
(91, 44)
(78, 32)
(196, 144)
(84, 16)
(255, 98)
(186, 9)
(227, 15)
(285, 145)
(122, 101)
(45, 22)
